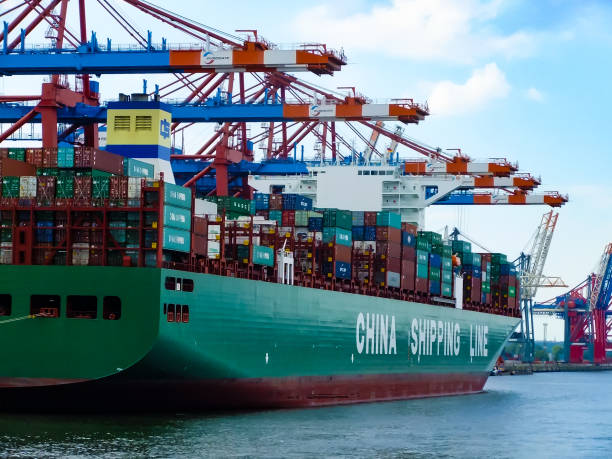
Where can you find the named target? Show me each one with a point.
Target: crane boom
(538, 254)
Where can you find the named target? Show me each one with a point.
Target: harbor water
(541, 415)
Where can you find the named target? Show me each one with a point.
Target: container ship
(121, 289)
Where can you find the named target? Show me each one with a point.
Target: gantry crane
(586, 313)
(531, 266)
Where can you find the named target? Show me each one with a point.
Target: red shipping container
(88, 157)
(4, 153)
(386, 233)
(276, 202)
(288, 218)
(82, 188)
(388, 264)
(199, 244)
(389, 249)
(118, 187)
(200, 226)
(45, 189)
(34, 156)
(408, 275)
(49, 158)
(369, 218)
(410, 228)
(421, 285)
(342, 253)
(409, 253)
(13, 168)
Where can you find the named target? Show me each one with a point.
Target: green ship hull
(243, 343)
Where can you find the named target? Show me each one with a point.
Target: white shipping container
(203, 207)
(214, 249)
(6, 253)
(27, 187)
(240, 240)
(134, 187)
(80, 253)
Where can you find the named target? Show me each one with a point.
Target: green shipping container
(178, 240)
(476, 259)
(422, 271)
(276, 215)
(119, 235)
(447, 264)
(263, 255)
(242, 253)
(486, 288)
(47, 171)
(432, 237)
(178, 196)
(422, 257)
(10, 187)
(434, 274)
(343, 237)
(338, 218)
(65, 157)
(6, 235)
(17, 154)
(437, 249)
(447, 250)
(234, 207)
(100, 184)
(301, 217)
(512, 291)
(423, 244)
(447, 290)
(391, 219)
(461, 246)
(499, 258)
(134, 168)
(177, 217)
(64, 188)
(447, 276)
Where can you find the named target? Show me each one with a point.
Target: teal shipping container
(175, 239)
(178, 196)
(177, 217)
(263, 255)
(134, 168)
(391, 219)
(65, 157)
(343, 237)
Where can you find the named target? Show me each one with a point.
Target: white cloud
(484, 85)
(534, 94)
(457, 30)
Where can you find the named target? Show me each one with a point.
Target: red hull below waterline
(249, 393)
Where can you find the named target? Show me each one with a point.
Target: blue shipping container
(435, 261)
(408, 239)
(358, 218)
(343, 270)
(358, 233)
(434, 287)
(369, 233)
(262, 201)
(296, 202)
(43, 235)
(315, 223)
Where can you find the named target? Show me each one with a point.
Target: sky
(524, 80)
